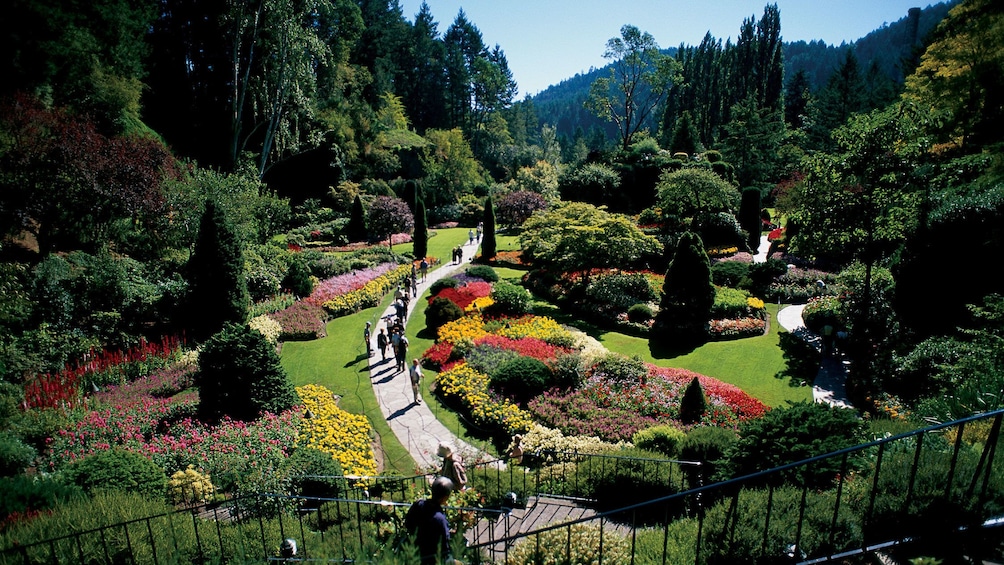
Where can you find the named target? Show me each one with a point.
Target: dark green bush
(729, 273)
(440, 311)
(694, 403)
(297, 279)
(522, 378)
(240, 376)
(22, 493)
(313, 473)
(635, 476)
(510, 300)
(620, 291)
(620, 368)
(734, 534)
(483, 272)
(787, 435)
(15, 455)
(569, 370)
(640, 313)
(664, 439)
(445, 282)
(706, 445)
(118, 469)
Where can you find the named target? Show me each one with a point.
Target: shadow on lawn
(360, 357)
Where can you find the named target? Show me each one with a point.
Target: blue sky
(547, 41)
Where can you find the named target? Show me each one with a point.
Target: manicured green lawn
(751, 364)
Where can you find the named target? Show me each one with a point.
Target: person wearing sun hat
(453, 466)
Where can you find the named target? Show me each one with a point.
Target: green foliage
(801, 359)
(218, 291)
(691, 192)
(822, 311)
(625, 477)
(522, 378)
(707, 445)
(688, 295)
(356, 230)
(664, 439)
(620, 291)
(594, 183)
(313, 473)
(21, 494)
(421, 237)
(734, 529)
(620, 368)
(694, 404)
(118, 469)
(573, 236)
(489, 247)
(510, 299)
(787, 435)
(640, 313)
(15, 455)
(484, 272)
(297, 279)
(440, 311)
(563, 547)
(240, 376)
(685, 136)
(719, 229)
(729, 273)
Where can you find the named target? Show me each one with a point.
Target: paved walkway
(828, 385)
(414, 424)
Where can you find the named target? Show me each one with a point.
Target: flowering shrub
(735, 328)
(190, 486)
(267, 327)
(345, 436)
(302, 320)
(368, 295)
(468, 389)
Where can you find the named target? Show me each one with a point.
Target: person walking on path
(426, 521)
(470, 236)
(415, 372)
(414, 284)
(424, 266)
(366, 338)
(402, 352)
(382, 344)
(453, 466)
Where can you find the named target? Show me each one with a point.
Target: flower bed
(333, 287)
(344, 436)
(368, 295)
(467, 389)
(464, 295)
(301, 321)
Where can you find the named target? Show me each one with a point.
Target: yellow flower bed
(755, 303)
(540, 327)
(479, 304)
(332, 430)
(463, 331)
(369, 295)
(470, 387)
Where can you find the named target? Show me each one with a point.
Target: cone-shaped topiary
(218, 290)
(356, 230)
(489, 247)
(421, 237)
(693, 404)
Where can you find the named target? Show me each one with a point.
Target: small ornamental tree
(356, 230)
(388, 216)
(694, 403)
(240, 376)
(218, 291)
(515, 208)
(421, 237)
(488, 244)
(688, 295)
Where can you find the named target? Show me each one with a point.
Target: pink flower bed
(301, 321)
(342, 284)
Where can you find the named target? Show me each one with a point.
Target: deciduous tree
(388, 216)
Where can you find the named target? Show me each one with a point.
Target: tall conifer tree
(688, 295)
(218, 291)
(356, 229)
(489, 247)
(421, 236)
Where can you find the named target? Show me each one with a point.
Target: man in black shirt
(427, 522)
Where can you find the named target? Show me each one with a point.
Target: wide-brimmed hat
(445, 450)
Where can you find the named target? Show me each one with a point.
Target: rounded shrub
(298, 279)
(21, 493)
(636, 476)
(484, 272)
(640, 313)
(443, 283)
(822, 311)
(706, 445)
(729, 273)
(620, 368)
(510, 299)
(581, 545)
(665, 439)
(118, 469)
(15, 455)
(441, 311)
(522, 378)
(190, 487)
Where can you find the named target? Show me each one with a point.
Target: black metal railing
(938, 485)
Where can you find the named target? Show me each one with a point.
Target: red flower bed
(462, 296)
(525, 346)
(438, 355)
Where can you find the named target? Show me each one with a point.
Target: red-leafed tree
(65, 183)
(388, 216)
(516, 207)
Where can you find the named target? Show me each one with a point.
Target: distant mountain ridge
(889, 46)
